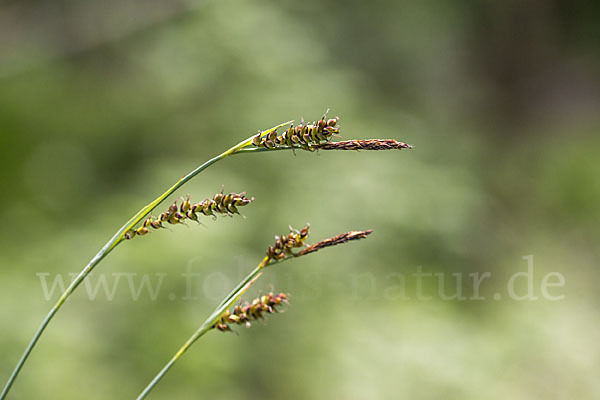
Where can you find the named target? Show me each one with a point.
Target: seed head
(304, 135)
(370, 144)
(285, 243)
(339, 239)
(250, 312)
(225, 204)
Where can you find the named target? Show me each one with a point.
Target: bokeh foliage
(104, 105)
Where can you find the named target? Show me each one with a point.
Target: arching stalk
(110, 245)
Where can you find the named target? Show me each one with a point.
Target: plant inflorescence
(303, 135)
(369, 144)
(249, 312)
(226, 204)
(285, 243)
(306, 136)
(334, 241)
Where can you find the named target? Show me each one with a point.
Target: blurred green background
(103, 105)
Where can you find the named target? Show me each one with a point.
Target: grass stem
(252, 277)
(109, 246)
(209, 323)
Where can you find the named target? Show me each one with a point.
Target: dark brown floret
(370, 144)
(220, 204)
(339, 239)
(284, 244)
(304, 135)
(250, 312)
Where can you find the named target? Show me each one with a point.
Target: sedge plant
(314, 136)
(221, 319)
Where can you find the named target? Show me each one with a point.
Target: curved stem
(208, 324)
(110, 245)
(63, 298)
(239, 290)
(173, 360)
(282, 147)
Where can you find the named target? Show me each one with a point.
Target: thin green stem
(208, 324)
(110, 245)
(173, 360)
(238, 291)
(282, 147)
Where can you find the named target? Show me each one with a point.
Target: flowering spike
(317, 136)
(283, 245)
(220, 204)
(303, 135)
(339, 239)
(250, 312)
(371, 144)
